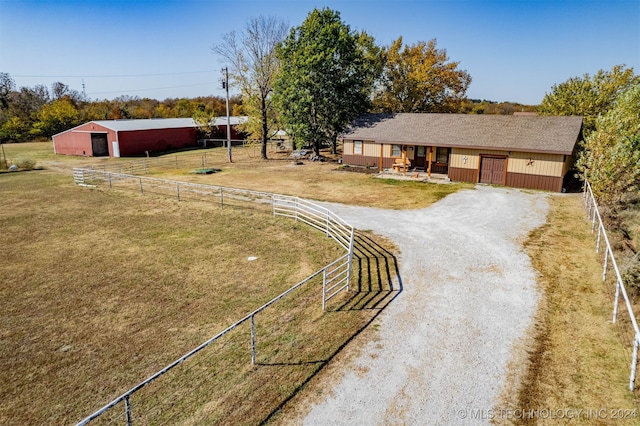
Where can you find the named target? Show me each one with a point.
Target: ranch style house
(520, 151)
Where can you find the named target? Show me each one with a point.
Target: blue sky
(514, 50)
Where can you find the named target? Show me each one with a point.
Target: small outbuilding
(116, 138)
(533, 152)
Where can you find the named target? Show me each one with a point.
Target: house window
(442, 155)
(396, 150)
(357, 147)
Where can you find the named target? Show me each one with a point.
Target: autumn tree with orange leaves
(418, 78)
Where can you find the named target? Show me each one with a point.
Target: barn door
(99, 145)
(492, 170)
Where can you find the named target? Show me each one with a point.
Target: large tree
(611, 155)
(55, 117)
(588, 96)
(418, 78)
(7, 85)
(326, 79)
(253, 68)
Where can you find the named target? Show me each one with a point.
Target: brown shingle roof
(557, 135)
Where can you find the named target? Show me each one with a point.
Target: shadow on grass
(376, 282)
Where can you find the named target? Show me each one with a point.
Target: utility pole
(225, 85)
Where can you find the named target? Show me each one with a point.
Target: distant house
(518, 151)
(116, 138)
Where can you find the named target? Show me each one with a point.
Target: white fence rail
(336, 275)
(596, 221)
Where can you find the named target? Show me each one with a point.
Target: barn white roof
(156, 123)
(146, 124)
(162, 123)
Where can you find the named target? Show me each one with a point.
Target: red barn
(126, 138)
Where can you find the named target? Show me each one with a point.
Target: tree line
(32, 113)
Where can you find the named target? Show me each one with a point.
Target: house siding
(519, 162)
(536, 164)
(458, 174)
(546, 183)
(524, 169)
(367, 161)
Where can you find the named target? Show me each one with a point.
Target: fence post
(145, 166)
(327, 223)
(221, 198)
(273, 204)
(634, 363)
(176, 161)
(253, 341)
(127, 408)
(598, 240)
(178, 190)
(324, 289)
(351, 243)
(606, 261)
(110, 180)
(131, 167)
(141, 191)
(616, 301)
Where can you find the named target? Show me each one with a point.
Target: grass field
(100, 289)
(312, 180)
(580, 359)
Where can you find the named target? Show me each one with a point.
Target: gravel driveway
(469, 294)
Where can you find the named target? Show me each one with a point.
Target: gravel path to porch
(469, 295)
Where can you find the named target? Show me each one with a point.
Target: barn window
(395, 150)
(357, 147)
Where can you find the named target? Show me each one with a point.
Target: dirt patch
(356, 169)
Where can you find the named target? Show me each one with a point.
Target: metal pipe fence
(202, 158)
(143, 166)
(609, 261)
(335, 276)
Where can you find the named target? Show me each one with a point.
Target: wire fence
(207, 369)
(629, 326)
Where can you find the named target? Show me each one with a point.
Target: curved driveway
(469, 294)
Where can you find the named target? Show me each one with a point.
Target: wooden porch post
(429, 165)
(381, 149)
(404, 159)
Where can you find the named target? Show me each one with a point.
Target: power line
(155, 88)
(112, 76)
